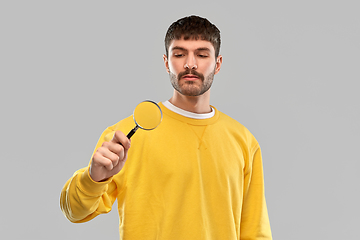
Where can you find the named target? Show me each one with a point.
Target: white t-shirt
(184, 113)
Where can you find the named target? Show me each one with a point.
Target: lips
(190, 77)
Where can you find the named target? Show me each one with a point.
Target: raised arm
(91, 190)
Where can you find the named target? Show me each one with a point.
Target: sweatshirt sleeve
(254, 218)
(82, 199)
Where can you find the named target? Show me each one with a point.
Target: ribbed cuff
(90, 187)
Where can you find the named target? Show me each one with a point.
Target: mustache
(191, 71)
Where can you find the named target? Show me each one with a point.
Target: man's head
(193, 28)
(192, 55)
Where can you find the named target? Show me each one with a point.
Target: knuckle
(108, 165)
(122, 156)
(114, 157)
(96, 155)
(118, 148)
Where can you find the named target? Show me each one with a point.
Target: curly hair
(193, 27)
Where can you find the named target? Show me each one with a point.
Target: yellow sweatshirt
(198, 179)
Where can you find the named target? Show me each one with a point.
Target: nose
(190, 63)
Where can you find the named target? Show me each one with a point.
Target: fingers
(120, 137)
(99, 161)
(110, 153)
(110, 158)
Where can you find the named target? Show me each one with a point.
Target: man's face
(191, 65)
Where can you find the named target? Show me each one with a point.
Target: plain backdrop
(290, 74)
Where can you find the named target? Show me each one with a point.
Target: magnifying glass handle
(132, 132)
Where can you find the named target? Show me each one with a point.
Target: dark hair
(193, 27)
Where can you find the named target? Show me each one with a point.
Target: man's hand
(110, 158)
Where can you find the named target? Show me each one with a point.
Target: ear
(166, 62)
(218, 64)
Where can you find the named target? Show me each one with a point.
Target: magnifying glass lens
(147, 116)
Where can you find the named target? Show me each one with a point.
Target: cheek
(174, 67)
(209, 68)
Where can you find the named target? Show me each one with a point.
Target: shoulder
(124, 125)
(238, 131)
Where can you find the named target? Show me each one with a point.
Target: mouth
(190, 77)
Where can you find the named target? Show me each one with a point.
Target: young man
(197, 176)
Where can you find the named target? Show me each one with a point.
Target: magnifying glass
(147, 115)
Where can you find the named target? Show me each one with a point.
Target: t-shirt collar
(188, 114)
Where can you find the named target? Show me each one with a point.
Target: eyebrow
(183, 49)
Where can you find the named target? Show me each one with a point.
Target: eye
(178, 55)
(202, 55)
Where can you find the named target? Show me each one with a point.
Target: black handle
(132, 132)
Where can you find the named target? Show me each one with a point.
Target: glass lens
(147, 115)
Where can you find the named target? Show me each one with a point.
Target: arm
(91, 190)
(254, 218)
(82, 198)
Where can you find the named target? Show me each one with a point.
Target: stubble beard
(191, 88)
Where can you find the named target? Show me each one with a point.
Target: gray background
(290, 74)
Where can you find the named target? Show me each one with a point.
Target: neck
(195, 104)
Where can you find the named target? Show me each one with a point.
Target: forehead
(191, 45)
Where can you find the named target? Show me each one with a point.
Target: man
(197, 176)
